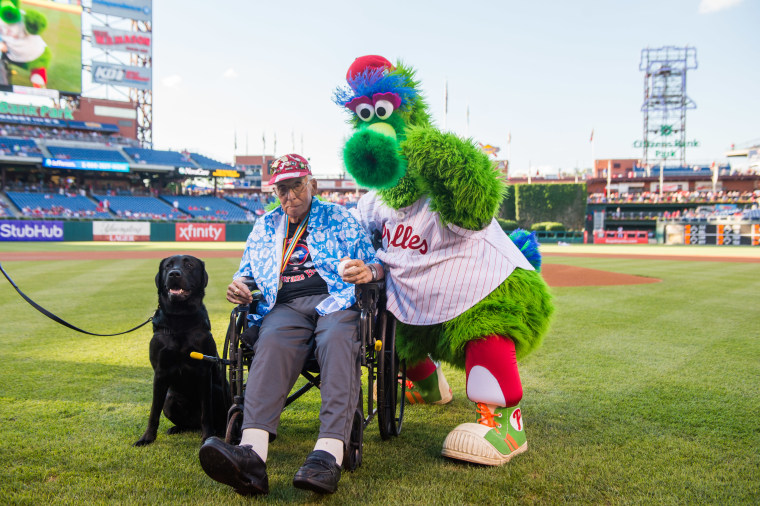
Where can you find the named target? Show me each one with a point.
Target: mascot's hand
(35, 22)
(464, 186)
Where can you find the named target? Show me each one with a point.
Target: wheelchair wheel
(391, 381)
(353, 457)
(234, 428)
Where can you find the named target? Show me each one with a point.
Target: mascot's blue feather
(527, 243)
(376, 80)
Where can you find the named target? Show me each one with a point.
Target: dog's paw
(145, 440)
(176, 430)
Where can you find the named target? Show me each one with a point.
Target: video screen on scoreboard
(41, 44)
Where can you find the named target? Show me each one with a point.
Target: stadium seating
(253, 203)
(10, 146)
(56, 206)
(209, 163)
(209, 208)
(4, 210)
(141, 208)
(101, 155)
(157, 157)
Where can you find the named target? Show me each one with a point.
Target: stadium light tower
(665, 103)
(143, 97)
(118, 58)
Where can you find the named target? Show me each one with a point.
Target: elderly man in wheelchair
(305, 256)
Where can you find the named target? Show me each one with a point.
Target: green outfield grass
(640, 394)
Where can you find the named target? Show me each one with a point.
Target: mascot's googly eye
(383, 109)
(365, 111)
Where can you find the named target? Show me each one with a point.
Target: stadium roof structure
(33, 151)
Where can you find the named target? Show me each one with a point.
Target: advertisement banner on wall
(215, 232)
(120, 231)
(55, 163)
(140, 10)
(121, 75)
(17, 230)
(111, 39)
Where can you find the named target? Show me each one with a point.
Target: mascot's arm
(464, 186)
(35, 22)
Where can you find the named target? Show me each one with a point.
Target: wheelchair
(385, 376)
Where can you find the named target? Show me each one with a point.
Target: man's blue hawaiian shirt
(333, 234)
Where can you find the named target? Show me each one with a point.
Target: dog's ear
(205, 274)
(159, 274)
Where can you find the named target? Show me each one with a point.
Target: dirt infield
(569, 275)
(554, 274)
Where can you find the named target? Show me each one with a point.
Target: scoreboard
(728, 234)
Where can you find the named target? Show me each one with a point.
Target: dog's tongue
(176, 291)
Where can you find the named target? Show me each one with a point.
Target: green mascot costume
(462, 290)
(21, 42)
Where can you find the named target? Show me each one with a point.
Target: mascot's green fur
(519, 308)
(465, 189)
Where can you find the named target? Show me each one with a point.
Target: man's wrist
(373, 270)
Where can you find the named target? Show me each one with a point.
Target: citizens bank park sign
(111, 39)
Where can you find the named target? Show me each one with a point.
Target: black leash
(60, 320)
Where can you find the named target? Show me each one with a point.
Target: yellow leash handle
(200, 356)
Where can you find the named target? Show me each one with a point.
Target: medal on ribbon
(288, 252)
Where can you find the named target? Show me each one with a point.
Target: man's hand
(238, 293)
(357, 272)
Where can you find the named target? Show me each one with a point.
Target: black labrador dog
(194, 394)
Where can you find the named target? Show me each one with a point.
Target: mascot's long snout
(372, 158)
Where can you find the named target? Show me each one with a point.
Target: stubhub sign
(31, 231)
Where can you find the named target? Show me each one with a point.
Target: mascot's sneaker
(494, 440)
(432, 390)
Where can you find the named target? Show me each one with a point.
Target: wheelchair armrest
(368, 295)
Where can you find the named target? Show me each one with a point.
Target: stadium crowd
(35, 132)
(683, 196)
(10, 148)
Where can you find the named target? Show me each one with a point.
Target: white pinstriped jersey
(435, 272)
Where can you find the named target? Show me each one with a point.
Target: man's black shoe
(320, 473)
(237, 466)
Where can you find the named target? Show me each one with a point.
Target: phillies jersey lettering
(403, 238)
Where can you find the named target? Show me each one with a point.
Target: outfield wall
(121, 231)
(729, 233)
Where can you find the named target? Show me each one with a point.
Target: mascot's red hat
(363, 63)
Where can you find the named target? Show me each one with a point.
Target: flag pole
(609, 178)
(467, 127)
(445, 103)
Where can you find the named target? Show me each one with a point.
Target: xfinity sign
(16, 230)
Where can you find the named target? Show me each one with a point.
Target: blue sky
(547, 71)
